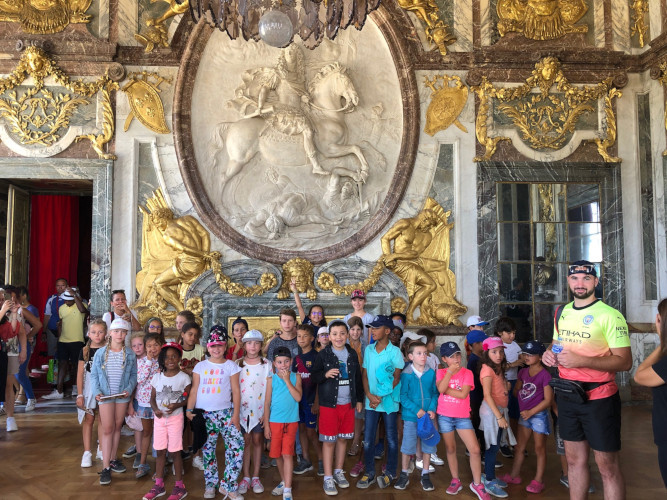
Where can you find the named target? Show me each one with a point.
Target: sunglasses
(586, 269)
(323, 335)
(316, 313)
(153, 327)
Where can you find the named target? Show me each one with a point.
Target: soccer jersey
(591, 331)
(302, 365)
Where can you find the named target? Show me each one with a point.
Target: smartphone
(113, 396)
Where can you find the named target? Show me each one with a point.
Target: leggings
(490, 458)
(220, 422)
(23, 377)
(662, 462)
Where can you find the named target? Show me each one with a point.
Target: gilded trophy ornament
(417, 250)
(541, 19)
(301, 271)
(429, 14)
(545, 120)
(43, 17)
(639, 28)
(156, 35)
(446, 103)
(143, 95)
(37, 115)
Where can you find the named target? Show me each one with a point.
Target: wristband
(79, 396)
(190, 410)
(500, 417)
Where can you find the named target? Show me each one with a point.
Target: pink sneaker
(480, 491)
(177, 493)
(357, 469)
(454, 487)
(244, 485)
(156, 491)
(535, 487)
(509, 479)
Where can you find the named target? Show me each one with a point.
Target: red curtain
(54, 251)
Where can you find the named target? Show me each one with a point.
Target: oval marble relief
(292, 152)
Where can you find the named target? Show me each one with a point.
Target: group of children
(317, 390)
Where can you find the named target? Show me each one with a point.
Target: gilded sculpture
(417, 250)
(301, 271)
(446, 103)
(327, 281)
(44, 17)
(639, 27)
(541, 19)
(143, 95)
(545, 120)
(39, 115)
(663, 81)
(428, 13)
(156, 35)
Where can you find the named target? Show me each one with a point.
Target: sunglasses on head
(114, 292)
(579, 268)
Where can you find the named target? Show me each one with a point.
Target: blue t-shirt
(284, 408)
(380, 367)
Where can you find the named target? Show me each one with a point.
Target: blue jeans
(23, 378)
(391, 439)
(490, 458)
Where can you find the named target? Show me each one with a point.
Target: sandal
(535, 487)
(354, 449)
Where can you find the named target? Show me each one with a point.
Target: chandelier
(276, 22)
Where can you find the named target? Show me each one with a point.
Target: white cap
(412, 336)
(120, 324)
(253, 335)
(476, 321)
(66, 296)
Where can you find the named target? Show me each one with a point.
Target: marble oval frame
(187, 162)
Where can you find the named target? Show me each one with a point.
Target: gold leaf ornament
(446, 103)
(145, 102)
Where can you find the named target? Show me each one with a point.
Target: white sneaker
(420, 465)
(209, 493)
(436, 460)
(54, 395)
(198, 463)
(30, 405)
(87, 459)
(11, 425)
(126, 431)
(98, 455)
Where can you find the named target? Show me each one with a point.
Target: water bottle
(557, 348)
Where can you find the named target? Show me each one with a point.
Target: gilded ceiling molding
(145, 102)
(429, 14)
(541, 19)
(446, 103)
(43, 17)
(39, 116)
(156, 35)
(545, 120)
(639, 28)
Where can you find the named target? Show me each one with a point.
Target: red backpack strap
(557, 314)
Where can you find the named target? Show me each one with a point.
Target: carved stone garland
(545, 119)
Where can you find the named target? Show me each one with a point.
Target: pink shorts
(168, 433)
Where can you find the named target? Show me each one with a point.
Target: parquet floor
(42, 461)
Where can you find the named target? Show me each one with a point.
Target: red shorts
(336, 423)
(283, 437)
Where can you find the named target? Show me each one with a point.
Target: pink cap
(492, 342)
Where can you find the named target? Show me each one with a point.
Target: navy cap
(533, 347)
(475, 336)
(449, 349)
(379, 321)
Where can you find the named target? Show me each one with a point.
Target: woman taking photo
(653, 373)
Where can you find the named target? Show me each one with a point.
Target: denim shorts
(142, 411)
(450, 424)
(538, 423)
(409, 444)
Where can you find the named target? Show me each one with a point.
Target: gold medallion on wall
(541, 19)
(44, 17)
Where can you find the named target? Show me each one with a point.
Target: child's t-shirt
(450, 406)
(284, 408)
(169, 390)
(146, 370)
(477, 394)
(532, 390)
(192, 357)
(498, 389)
(253, 393)
(433, 362)
(215, 391)
(512, 352)
(302, 365)
(380, 368)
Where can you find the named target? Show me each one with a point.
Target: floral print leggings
(220, 422)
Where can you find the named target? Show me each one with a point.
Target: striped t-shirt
(114, 370)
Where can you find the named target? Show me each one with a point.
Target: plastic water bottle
(557, 348)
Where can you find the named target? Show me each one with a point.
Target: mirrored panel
(544, 322)
(585, 241)
(549, 282)
(513, 202)
(549, 242)
(515, 282)
(548, 202)
(583, 203)
(513, 241)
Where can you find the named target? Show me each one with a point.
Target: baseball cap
(252, 335)
(492, 343)
(282, 351)
(583, 267)
(476, 321)
(475, 336)
(175, 345)
(398, 324)
(379, 321)
(449, 349)
(120, 324)
(358, 294)
(412, 336)
(533, 347)
(218, 336)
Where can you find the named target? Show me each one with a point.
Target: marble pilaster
(620, 16)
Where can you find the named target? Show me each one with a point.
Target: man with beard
(590, 344)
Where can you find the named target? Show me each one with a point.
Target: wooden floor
(42, 461)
